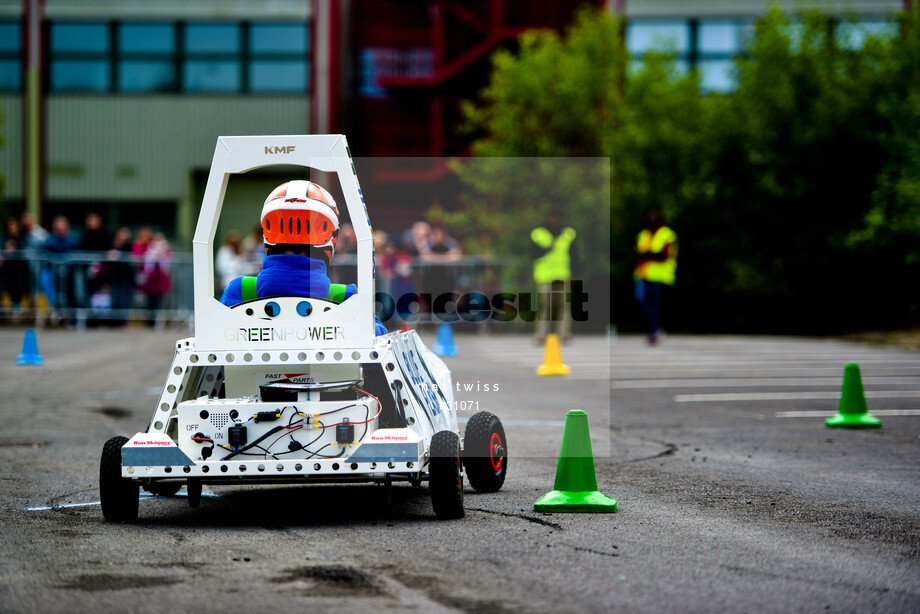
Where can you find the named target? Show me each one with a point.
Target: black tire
(485, 452)
(445, 479)
(163, 489)
(119, 496)
(193, 489)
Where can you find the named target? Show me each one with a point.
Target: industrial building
(114, 106)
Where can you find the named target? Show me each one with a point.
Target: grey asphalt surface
(727, 502)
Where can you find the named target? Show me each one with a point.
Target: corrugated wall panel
(121, 148)
(11, 150)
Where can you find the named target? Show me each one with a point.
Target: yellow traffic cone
(552, 358)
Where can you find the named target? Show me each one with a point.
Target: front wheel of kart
(445, 478)
(485, 452)
(119, 496)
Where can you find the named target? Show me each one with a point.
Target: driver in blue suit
(300, 226)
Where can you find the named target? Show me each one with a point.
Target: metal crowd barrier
(80, 289)
(74, 289)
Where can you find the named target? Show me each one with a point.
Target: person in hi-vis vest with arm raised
(656, 251)
(552, 248)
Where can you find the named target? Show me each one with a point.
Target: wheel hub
(496, 452)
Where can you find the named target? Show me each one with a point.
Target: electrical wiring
(302, 446)
(296, 425)
(379, 409)
(244, 453)
(289, 432)
(205, 452)
(317, 453)
(254, 444)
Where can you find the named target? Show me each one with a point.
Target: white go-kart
(299, 390)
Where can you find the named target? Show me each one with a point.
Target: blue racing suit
(291, 275)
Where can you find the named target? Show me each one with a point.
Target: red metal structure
(413, 64)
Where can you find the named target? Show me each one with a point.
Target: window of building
(213, 58)
(376, 63)
(147, 57)
(852, 36)
(719, 37)
(717, 43)
(278, 58)
(193, 57)
(643, 36)
(717, 75)
(708, 46)
(80, 57)
(278, 38)
(10, 61)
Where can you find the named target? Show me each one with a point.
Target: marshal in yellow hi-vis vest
(657, 252)
(556, 264)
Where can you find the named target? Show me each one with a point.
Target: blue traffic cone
(445, 344)
(30, 355)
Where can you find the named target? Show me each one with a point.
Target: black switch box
(344, 433)
(236, 435)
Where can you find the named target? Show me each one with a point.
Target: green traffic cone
(853, 412)
(575, 489)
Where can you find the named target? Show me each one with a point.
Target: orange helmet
(301, 213)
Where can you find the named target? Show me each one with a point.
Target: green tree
(796, 196)
(795, 155)
(569, 96)
(892, 224)
(546, 122)
(554, 96)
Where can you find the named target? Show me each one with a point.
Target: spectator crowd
(414, 261)
(101, 273)
(114, 276)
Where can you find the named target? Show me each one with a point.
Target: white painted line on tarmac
(464, 420)
(150, 391)
(825, 414)
(787, 371)
(791, 396)
(527, 360)
(144, 497)
(62, 506)
(753, 362)
(753, 382)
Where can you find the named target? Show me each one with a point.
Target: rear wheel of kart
(163, 489)
(193, 489)
(119, 496)
(445, 478)
(485, 453)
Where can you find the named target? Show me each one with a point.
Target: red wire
(269, 446)
(379, 409)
